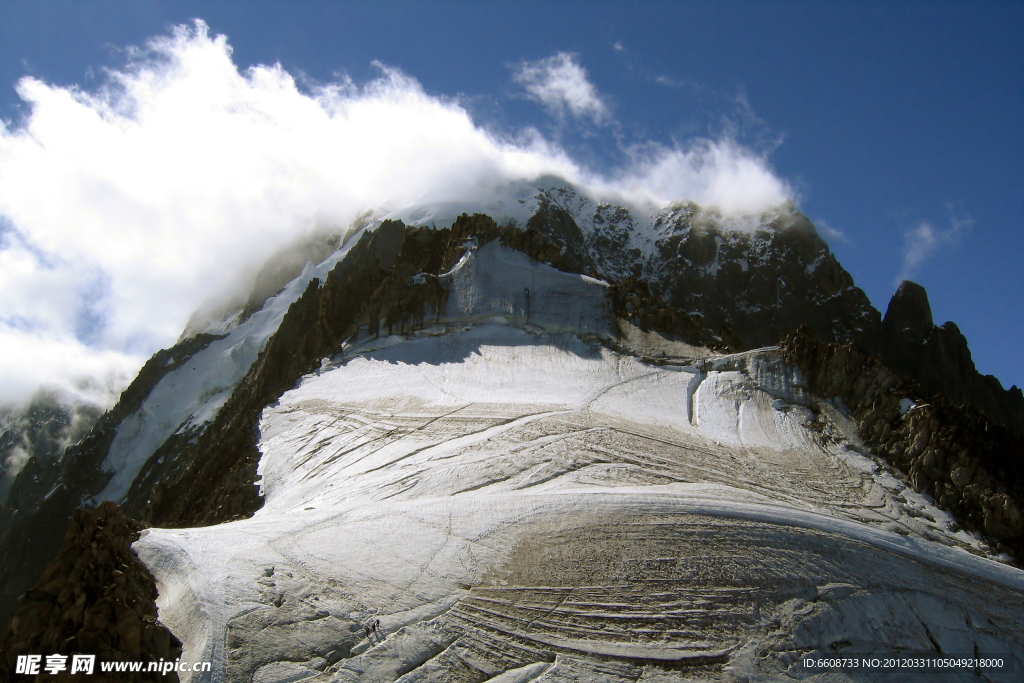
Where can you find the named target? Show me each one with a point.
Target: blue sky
(899, 126)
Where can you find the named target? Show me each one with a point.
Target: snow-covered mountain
(554, 439)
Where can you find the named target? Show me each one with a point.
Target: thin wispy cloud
(668, 81)
(561, 85)
(127, 205)
(831, 234)
(925, 240)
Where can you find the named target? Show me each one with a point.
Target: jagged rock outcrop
(938, 359)
(95, 598)
(970, 465)
(752, 285)
(759, 285)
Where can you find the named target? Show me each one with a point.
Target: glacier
(517, 496)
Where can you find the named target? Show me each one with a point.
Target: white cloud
(76, 372)
(560, 84)
(668, 81)
(125, 207)
(831, 234)
(921, 243)
(720, 172)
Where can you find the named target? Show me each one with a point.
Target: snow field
(499, 498)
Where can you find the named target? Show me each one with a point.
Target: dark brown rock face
(633, 301)
(749, 288)
(938, 359)
(97, 598)
(909, 314)
(760, 285)
(972, 466)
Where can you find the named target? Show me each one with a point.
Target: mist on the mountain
(44, 429)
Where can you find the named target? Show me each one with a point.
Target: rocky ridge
(970, 465)
(95, 598)
(937, 358)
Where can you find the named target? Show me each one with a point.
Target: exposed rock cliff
(970, 465)
(95, 598)
(938, 359)
(761, 284)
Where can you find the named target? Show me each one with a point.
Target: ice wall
(496, 281)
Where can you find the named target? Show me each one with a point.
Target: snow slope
(525, 505)
(191, 395)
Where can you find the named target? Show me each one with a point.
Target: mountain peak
(909, 310)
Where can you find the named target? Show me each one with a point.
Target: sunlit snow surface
(496, 497)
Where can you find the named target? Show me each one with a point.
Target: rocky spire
(909, 312)
(937, 357)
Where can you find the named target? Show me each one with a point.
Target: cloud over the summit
(125, 207)
(561, 85)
